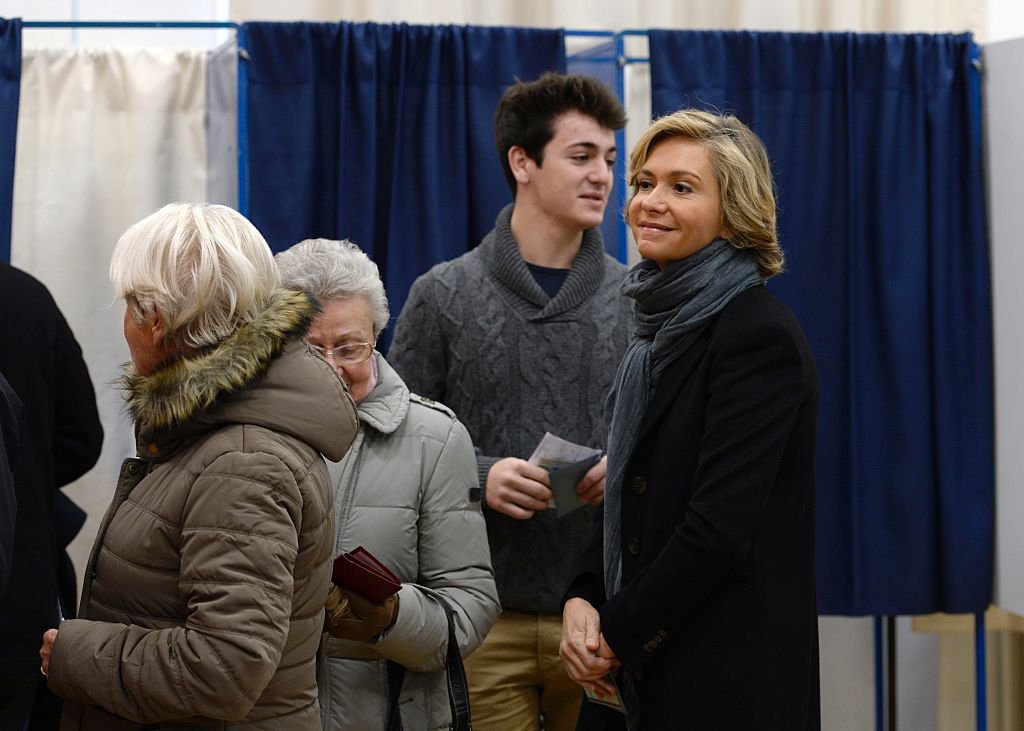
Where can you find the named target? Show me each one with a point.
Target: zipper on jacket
(132, 472)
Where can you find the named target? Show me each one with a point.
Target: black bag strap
(396, 673)
(458, 687)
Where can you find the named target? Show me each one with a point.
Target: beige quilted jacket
(203, 601)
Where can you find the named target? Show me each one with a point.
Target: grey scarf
(671, 308)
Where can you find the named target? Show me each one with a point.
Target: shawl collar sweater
(504, 262)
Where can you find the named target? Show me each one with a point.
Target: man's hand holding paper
(576, 472)
(517, 488)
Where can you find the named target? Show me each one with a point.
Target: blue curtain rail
(128, 24)
(232, 24)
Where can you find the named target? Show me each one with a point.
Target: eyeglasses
(349, 353)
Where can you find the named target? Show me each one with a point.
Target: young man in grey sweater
(520, 336)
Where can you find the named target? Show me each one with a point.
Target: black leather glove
(351, 616)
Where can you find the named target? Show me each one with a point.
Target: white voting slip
(567, 463)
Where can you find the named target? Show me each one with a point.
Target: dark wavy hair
(527, 112)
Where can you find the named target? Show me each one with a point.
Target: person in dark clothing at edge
(697, 592)
(521, 336)
(10, 435)
(60, 441)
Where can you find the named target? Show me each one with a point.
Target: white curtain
(105, 137)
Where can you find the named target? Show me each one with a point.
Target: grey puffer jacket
(203, 598)
(404, 492)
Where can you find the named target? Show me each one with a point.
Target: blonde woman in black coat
(697, 597)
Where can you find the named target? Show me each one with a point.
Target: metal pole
(127, 24)
(620, 144)
(890, 636)
(879, 675)
(981, 698)
(243, 123)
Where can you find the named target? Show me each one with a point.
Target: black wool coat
(10, 436)
(60, 441)
(716, 623)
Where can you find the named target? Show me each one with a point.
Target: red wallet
(361, 571)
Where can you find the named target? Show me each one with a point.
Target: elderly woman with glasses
(203, 597)
(408, 492)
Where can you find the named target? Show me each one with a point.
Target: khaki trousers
(516, 678)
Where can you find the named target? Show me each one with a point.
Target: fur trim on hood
(186, 387)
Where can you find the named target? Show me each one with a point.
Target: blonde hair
(204, 268)
(330, 270)
(741, 167)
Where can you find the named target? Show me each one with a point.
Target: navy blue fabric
(876, 147)
(383, 134)
(10, 90)
(548, 278)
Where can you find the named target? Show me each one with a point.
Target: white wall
(1005, 20)
(1004, 108)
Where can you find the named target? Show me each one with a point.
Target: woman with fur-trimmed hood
(203, 596)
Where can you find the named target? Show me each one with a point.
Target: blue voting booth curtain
(10, 88)
(876, 147)
(383, 134)
(601, 62)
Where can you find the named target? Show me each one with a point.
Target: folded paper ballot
(563, 484)
(567, 463)
(611, 701)
(361, 571)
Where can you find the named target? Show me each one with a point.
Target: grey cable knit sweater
(479, 334)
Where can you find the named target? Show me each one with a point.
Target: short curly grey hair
(330, 270)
